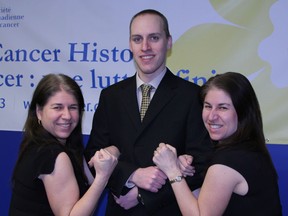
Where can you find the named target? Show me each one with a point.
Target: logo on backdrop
(8, 19)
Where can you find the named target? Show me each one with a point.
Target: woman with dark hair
(51, 176)
(241, 178)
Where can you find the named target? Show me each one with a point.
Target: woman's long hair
(244, 99)
(35, 134)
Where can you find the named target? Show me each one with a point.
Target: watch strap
(176, 179)
(140, 199)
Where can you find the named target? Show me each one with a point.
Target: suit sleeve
(198, 144)
(101, 138)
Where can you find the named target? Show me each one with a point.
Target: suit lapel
(164, 93)
(130, 101)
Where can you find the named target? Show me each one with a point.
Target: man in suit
(137, 186)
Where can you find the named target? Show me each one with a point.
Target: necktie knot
(145, 88)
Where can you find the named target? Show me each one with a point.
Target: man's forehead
(147, 26)
(147, 19)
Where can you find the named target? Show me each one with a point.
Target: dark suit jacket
(174, 117)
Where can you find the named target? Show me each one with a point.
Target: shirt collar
(155, 82)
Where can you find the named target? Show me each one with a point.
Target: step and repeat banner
(89, 41)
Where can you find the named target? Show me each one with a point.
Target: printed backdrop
(89, 41)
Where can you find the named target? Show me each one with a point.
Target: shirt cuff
(129, 184)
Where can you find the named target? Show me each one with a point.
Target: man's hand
(129, 200)
(185, 162)
(149, 178)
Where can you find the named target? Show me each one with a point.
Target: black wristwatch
(140, 199)
(176, 179)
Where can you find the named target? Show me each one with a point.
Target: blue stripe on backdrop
(10, 143)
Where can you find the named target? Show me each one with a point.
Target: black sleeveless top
(28, 191)
(263, 193)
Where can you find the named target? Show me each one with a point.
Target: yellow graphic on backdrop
(213, 48)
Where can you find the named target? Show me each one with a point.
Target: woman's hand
(113, 150)
(104, 163)
(165, 158)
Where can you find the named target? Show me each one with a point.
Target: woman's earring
(39, 121)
